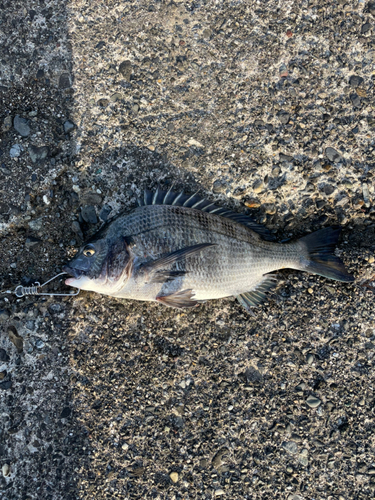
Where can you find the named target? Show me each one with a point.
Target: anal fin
(179, 300)
(258, 295)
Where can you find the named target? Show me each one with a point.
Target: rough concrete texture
(265, 107)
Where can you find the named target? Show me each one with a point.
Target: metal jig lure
(22, 291)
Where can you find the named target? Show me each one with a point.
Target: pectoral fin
(157, 270)
(179, 300)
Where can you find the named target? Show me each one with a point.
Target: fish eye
(89, 251)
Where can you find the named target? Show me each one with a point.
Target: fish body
(168, 251)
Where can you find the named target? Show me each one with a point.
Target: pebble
(68, 126)
(295, 497)
(88, 214)
(91, 198)
(284, 117)
(258, 186)
(15, 338)
(65, 81)
(15, 151)
(36, 225)
(77, 229)
(290, 447)
(355, 81)
(303, 458)
(366, 195)
(7, 123)
(38, 153)
(333, 155)
(5, 470)
(174, 476)
(39, 344)
(4, 315)
(21, 125)
(125, 447)
(32, 242)
(313, 402)
(284, 157)
(104, 212)
(310, 359)
(3, 355)
(125, 69)
(219, 492)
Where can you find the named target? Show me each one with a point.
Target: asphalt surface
(265, 107)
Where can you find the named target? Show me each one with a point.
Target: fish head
(101, 265)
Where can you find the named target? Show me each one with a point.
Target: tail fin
(320, 246)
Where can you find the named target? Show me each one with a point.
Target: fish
(180, 250)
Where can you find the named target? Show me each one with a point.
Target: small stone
(371, 259)
(310, 359)
(21, 125)
(65, 81)
(290, 447)
(15, 338)
(3, 355)
(32, 242)
(174, 476)
(103, 103)
(91, 198)
(125, 447)
(65, 412)
(356, 100)
(104, 212)
(68, 126)
(38, 153)
(371, 7)
(7, 123)
(355, 81)
(77, 229)
(4, 315)
(5, 470)
(284, 117)
(313, 402)
(366, 195)
(135, 108)
(218, 186)
(258, 186)
(125, 69)
(284, 157)
(116, 97)
(39, 344)
(333, 155)
(295, 497)
(219, 492)
(36, 225)
(366, 28)
(89, 214)
(15, 151)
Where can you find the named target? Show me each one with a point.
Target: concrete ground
(268, 108)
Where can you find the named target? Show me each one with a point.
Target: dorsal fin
(182, 200)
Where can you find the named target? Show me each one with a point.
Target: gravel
(264, 107)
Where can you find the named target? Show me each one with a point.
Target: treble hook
(22, 291)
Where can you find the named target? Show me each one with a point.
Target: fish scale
(165, 250)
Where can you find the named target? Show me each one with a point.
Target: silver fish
(180, 250)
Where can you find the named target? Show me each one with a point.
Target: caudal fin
(321, 259)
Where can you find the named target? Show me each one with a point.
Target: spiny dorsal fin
(182, 200)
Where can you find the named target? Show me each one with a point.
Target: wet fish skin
(178, 255)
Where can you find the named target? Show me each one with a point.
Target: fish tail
(321, 260)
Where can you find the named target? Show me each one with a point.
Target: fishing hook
(22, 291)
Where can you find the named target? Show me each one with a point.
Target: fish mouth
(73, 272)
